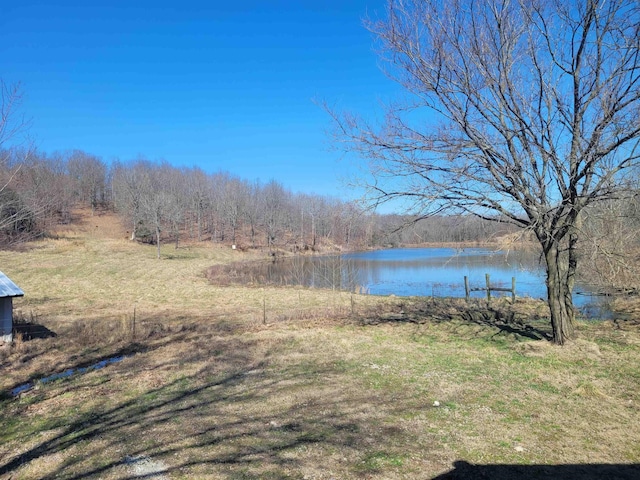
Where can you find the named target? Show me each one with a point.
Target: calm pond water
(423, 272)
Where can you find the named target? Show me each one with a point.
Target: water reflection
(441, 271)
(408, 272)
(334, 272)
(65, 374)
(421, 272)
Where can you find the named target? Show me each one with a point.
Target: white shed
(8, 290)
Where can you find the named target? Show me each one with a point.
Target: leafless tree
(313, 210)
(155, 203)
(215, 194)
(523, 109)
(161, 202)
(12, 124)
(171, 183)
(234, 198)
(275, 200)
(128, 181)
(11, 127)
(197, 191)
(612, 245)
(252, 210)
(14, 213)
(88, 174)
(353, 221)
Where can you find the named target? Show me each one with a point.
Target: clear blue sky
(224, 85)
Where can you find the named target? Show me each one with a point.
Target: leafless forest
(160, 201)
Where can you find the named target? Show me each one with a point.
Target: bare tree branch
(538, 107)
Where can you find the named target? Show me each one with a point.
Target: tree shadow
(83, 365)
(218, 409)
(504, 318)
(466, 471)
(225, 409)
(506, 322)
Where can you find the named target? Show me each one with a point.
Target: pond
(436, 272)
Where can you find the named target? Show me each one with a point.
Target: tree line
(159, 203)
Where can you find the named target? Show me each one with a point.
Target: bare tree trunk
(559, 289)
(134, 229)
(158, 239)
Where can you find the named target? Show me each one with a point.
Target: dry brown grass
(84, 275)
(331, 386)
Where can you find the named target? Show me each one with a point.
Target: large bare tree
(15, 215)
(526, 109)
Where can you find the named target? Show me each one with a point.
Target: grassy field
(288, 383)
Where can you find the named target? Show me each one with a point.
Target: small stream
(25, 387)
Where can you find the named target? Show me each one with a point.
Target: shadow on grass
(85, 345)
(80, 367)
(506, 319)
(505, 322)
(210, 419)
(226, 408)
(467, 471)
(32, 331)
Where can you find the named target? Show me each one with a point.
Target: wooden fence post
(488, 287)
(466, 288)
(264, 310)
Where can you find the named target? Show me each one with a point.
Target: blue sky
(222, 85)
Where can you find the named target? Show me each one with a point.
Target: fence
(488, 288)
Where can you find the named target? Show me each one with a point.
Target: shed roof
(8, 288)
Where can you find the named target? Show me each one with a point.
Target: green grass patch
(379, 461)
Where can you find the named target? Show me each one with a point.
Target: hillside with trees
(158, 203)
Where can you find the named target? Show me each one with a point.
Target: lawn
(273, 383)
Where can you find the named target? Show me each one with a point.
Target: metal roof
(8, 288)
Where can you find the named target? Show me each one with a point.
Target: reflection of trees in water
(422, 272)
(332, 272)
(432, 273)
